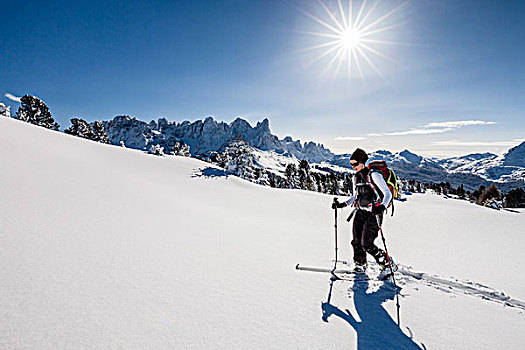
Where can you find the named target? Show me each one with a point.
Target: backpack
(390, 177)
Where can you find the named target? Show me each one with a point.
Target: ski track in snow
(405, 275)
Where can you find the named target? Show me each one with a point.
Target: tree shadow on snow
(210, 173)
(377, 330)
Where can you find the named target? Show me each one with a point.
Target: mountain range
(472, 170)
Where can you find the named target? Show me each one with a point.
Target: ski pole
(393, 274)
(335, 226)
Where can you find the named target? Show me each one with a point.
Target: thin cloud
(12, 97)
(349, 138)
(413, 132)
(435, 128)
(477, 143)
(457, 124)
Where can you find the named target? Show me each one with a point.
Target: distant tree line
(486, 196)
(178, 149)
(34, 111)
(83, 129)
(238, 159)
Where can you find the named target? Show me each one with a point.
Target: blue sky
(449, 77)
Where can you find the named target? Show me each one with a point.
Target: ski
(345, 275)
(337, 274)
(321, 269)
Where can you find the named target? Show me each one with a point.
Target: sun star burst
(352, 36)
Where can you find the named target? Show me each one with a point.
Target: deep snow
(107, 247)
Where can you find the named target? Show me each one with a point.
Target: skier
(370, 199)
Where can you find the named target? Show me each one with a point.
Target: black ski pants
(365, 230)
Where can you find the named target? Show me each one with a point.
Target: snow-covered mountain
(107, 247)
(209, 135)
(408, 165)
(501, 169)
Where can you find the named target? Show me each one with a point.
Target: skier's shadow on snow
(210, 173)
(377, 330)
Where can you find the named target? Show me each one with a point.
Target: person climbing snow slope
(370, 200)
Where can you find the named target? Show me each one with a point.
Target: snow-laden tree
(333, 184)
(275, 180)
(156, 150)
(99, 132)
(238, 159)
(319, 182)
(34, 111)
(305, 178)
(5, 111)
(181, 149)
(347, 185)
(261, 177)
(80, 128)
(290, 174)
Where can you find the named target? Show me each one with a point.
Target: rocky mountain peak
(411, 157)
(515, 156)
(263, 126)
(209, 135)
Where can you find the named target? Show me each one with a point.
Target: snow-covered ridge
(509, 167)
(209, 135)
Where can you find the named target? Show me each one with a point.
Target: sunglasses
(354, 163)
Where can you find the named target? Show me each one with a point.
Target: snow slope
(107, 247)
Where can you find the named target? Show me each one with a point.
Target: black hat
(359, 155)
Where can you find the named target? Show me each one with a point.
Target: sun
(352, 36)
(350, 39)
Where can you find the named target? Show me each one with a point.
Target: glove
(336, 205)
(378, 209)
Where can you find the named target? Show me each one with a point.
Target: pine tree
(290, 172)
(181, 149)
(333, 184)
(348, 185)
(317, 181)
(271, 180)
(515, 198)
(460, 192)
(80, 128)
(99, 132)
(34, 111)
(156, 150)
(477, 193)
(5, 111)
(305, 178)
(491, 193)
(238, 159)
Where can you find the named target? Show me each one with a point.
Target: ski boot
(386, 271)
(359, 268)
